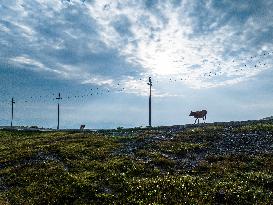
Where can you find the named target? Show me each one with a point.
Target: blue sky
(214, 55)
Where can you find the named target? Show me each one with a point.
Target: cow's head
(192, 113)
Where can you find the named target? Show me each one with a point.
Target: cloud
(165, 45)
(22, 60)
(205, 43)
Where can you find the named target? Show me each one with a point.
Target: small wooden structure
(82, 128)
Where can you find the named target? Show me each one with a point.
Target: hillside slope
(228, 163)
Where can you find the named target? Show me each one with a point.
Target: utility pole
(12, 102)
(58, 98)
(150, 102)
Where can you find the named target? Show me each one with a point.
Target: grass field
(201, 165)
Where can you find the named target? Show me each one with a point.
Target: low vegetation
(198, 165)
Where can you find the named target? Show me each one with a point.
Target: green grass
(255, 127)
(97, 168)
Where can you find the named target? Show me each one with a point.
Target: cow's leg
(198, 120)
(195, 120)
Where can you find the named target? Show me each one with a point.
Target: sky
(98, 54)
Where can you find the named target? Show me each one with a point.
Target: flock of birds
(88, 92)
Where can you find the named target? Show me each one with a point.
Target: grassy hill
(208, 164)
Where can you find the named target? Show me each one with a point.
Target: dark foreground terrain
(211, 164)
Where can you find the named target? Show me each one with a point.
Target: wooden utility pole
(58, 98)
(12, 103)
(150, 102)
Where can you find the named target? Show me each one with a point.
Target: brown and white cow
(199, 114)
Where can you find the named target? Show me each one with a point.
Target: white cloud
(25, 60)
(98, 80)
(166, 40)
(4, 28)
(171, 50)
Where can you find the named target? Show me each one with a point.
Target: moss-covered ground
(198, 165)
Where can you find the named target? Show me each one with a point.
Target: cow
(199, 114)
